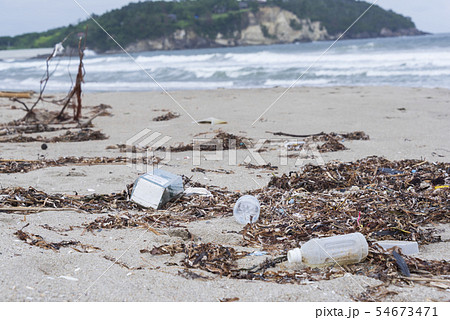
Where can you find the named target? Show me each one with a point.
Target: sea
(419, 61)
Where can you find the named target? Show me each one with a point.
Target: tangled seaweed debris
(127, 220)
(221, 260)
(168, 116)
(43, 121)
(214, 258)
(20, 165)
(38, 241)
(262, 166)
(23, 198)
(198, 169)
(322, 136)
(331, 141)
(337, 198)
(221, 141)
(85, 134)
(323, 201)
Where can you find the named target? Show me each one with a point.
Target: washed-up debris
(402, 266)
(128, 220)
(356, 135)
(69, 278)
(222, 260)
(388, 171)
(168, 116)
(375, 293)
(229, 299)
(262, 166)
(331, 145)
(258, 253)
(212, 120)
(188, 274)
(21, 165)
(22, 199)
(331, 141)
(69, 136)
(38, 241)
(337, 198)
(221, 141)
(197, 191)
(198, 169)
(11, 94)
(406, 247)
(216, 259)
(152, 190)
(294, 145)
(246, 209)
(47, 121)
(120, 263)
(341, 249)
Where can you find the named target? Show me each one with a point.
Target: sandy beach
(402, 123)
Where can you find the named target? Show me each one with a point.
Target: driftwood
(22, 95)
(77, 88)
(296, 135)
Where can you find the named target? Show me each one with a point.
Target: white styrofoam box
(152, 190)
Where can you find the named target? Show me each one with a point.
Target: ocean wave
(423, 61)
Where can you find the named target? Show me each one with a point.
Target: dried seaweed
(336, 198)
(38, 241)
(198, 169)
(168, 116)
(263, 166)
(187, 274)
(22, 198)
(122, 264)
(375, 293)
(19, 165)
(80, 135)
(331, 145)
(221, 141)
(322, 136)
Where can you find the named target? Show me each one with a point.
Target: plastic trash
(212, 120)
(258, 253)
(407, 247)
(197, 191)
(389, 171)
(246, 209)
(152, 190)
(343, 249)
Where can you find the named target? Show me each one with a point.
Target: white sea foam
(409, 61)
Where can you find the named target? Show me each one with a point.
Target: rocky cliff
(269, 25)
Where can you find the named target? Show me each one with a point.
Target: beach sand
(403, 123)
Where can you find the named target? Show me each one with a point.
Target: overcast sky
(22, 16)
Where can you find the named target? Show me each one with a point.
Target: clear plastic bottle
(246, 209)
(342, 249)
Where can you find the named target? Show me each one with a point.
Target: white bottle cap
(295, 255)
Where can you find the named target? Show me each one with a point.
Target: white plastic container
(342, 249)
(246, 209)
(407, 247)
(152, 190)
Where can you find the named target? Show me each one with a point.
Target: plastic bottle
(342, 249)
(246, 209)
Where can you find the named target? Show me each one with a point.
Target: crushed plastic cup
(152, 190)
(246, 209)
